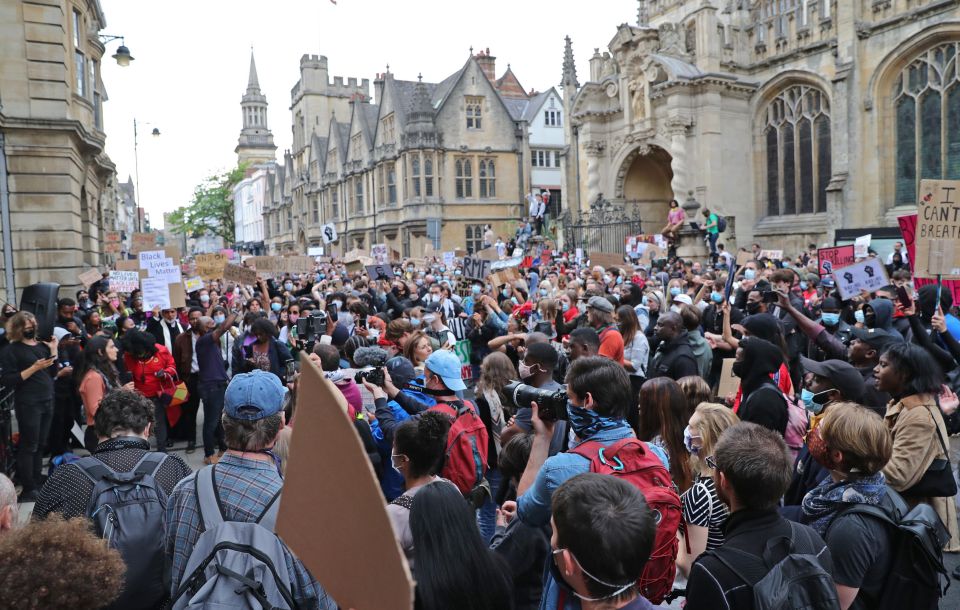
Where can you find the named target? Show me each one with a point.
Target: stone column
(594, 150)
(676, 129)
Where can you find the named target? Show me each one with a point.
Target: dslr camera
(372, 359)
(552, 403)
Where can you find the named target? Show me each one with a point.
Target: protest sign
(239, 274)
(868, 275)
(379, 253)
(578, 255)
(127, 265)
(507, 262)
(329, 233)
(169, 272)
(908, 228)
(938, 218)
(124, 281)
(296, 264)
(380, 272)
(449, 259)
(193, 284)
(488, 254)
(156, 293)
(861, 246)
(728, 381)
(89, 277)
(178, 298)
(150, 258)
(459, 252)
(475, 268)
(210, 266)
(143, 241)
(831, 259)
(315, 500)
(605, 260)
(315, 251)
(773, 255)
(354, 265)
(744, 257)
(462, 349)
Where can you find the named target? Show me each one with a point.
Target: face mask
(674, 291)
(419, 282)
(415, 321)
(858, 316)
(443, 269)
(830, 319)
(30, 334)
(288, 286)
(812, 401)
(753, 308)
(204, 298)
(738, 368)
(820, 451)
(688, 441)
(320, 277)
(526, 372)
(219, 318)
(619, 280)
(786, 265)
(586, 423)
(475, 290)
(276, 307)
(543, 293)
(749, 274)
(435, 298)
(294, 317)
(675, 308)
(457, 272)
(607, 279)
(115, 303)
(716, 297)
(565, 307)
(804, 285)
(409, 269)
(505, 293)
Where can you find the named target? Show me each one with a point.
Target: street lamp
(122, 55)
(136, 165)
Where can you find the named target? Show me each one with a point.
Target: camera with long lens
(372, 359)
(552, 404)
(311, 326)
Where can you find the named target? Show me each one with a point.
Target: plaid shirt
(245, 486)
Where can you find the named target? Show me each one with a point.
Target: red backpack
(465, 460)
(630, 460)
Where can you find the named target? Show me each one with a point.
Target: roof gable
(509, 85)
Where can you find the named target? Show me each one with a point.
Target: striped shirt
(702, 507)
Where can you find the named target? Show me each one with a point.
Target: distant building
(249, 196)
(255, 144)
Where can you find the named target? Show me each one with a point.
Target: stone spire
(253, 83)
(420, 129)
(256, 140)
(643, 14)
(569, 66)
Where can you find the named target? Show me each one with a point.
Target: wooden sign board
(311, 518)
(728, 381)
(938, 220)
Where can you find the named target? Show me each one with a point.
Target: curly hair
(137, 342)
(122, 410)
(423, 441)
(89, 574)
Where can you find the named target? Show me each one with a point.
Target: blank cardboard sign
(333, 516)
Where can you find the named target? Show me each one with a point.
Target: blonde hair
(714, 419)
(696, 390)
(860, 434)
(548, 309)
(17, 323)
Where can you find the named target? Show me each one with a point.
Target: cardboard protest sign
(605, 260)
(315, 251)
(124, 281)
(938, 218)
(773, 255)
(488, 254)
(475, 268)
(193, 284)
(449, 259)
(210, 266)
(861, 246)
(728, 381)
(90, 277)
(908, 228)
(378, 252)
(127, 265)
(316, 500)
(329, 233)
(866, 275)
(173, 251)
(239, 274)
(830, 259)
(143, 241)
(296, 264)
(459, 252)
(744, 257)
(380, 272)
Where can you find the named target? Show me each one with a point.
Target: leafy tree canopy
(211, 209)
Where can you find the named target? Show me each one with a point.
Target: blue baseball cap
(254, 395)
(446, 365)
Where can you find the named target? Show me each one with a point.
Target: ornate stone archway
(643, 183)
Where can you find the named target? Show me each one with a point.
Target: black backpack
(128, 510)
(917, 578)
(788, 576)
(721, 224)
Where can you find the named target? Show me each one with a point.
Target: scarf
(829, 498)
(586, 423)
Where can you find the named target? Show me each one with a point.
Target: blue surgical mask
(830, 319)
(804, 285)
(415, 321)
(565, 307)
(858, 316)
(749, 274)
(619, 280)
(505, 292)
(276, 307)
(543, 293)
(716, 297)
(674, 291)
(475, 290)
(321, 277)
(586, 422)
(457, 272)
(219, 318)
(288, 286)
(688, 441)
(810, 400)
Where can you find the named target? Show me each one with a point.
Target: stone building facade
(794, 118)
(428, 163)
(56, 181)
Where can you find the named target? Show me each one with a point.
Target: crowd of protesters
(626, 481)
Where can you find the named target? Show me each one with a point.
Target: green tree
(211, 209)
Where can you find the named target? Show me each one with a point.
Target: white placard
(448, 258)
(869, 275)
(380, 254)
(315, 251)
(861, 246)
(124, 281)
(148, 257)
(194, 283)
(155, 292)
(329, 233)
(579, 255)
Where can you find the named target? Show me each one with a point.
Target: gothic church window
(474, 112)
(391, 184)
(464, 179)
(428, 177)
(488, 187)
(796, 139)
(415, 176)
(926, 111)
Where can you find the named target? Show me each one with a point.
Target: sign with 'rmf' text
(938, 224)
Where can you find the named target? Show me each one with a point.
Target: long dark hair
(455, 569)
(663, 412)
(94, 357)
(921, 373)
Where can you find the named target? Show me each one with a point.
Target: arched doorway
(644, 185)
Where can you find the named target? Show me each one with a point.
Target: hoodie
(883, 312)
(927, 301)
(763, 402)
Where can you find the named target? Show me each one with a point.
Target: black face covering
(753, 308)
(30, 334)
(737, 368)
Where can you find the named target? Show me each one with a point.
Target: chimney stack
(488, 63)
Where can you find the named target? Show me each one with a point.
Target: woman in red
(153, 369)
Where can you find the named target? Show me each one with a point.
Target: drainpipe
(5, 226)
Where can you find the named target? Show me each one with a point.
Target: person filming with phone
(27, 367)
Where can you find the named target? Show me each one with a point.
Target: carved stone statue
(638, 95)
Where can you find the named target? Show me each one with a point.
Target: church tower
(256, 141)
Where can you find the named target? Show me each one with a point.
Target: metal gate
(603, 228)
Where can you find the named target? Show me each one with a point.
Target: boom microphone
(370, 356)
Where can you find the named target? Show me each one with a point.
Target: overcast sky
(192, 59)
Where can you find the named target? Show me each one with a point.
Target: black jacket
(154, 328)
(713, 585)
(763, 403)
(673, 359)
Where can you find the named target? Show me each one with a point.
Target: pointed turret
(256, 140)
(569, 80)
(253, 83)
(420, 129)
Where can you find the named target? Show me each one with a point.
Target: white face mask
(675, 308)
